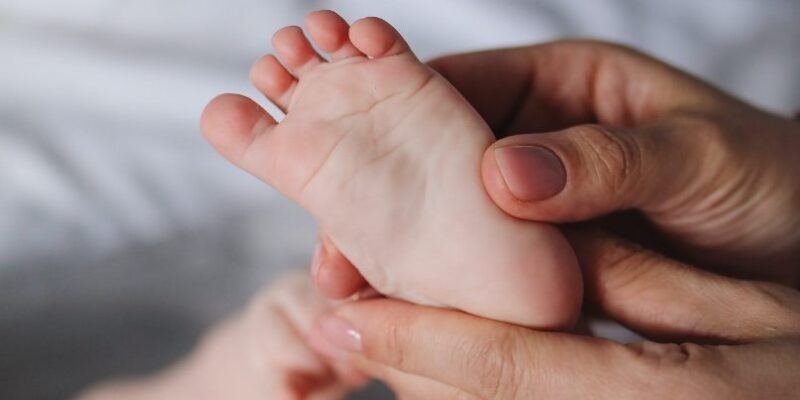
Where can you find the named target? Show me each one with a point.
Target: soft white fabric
(111, 202)
(100, 98)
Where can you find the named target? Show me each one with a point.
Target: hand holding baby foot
(385, 154)
(714, 338)
(617, 130)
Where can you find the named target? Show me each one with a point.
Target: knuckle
(628, 264)
(711, 136)
(500, 375)
(715, 141)
(394, 345)
(687, 370)
(654, 355)
(613, 159)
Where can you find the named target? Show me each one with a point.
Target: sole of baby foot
(386, 155)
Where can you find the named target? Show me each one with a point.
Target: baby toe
(376, 38)
(330, 32)
(273, 81)
(295, 50)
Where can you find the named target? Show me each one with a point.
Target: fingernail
(316, 259)
(531, 173)
(340, 333)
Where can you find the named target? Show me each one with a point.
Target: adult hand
(617, 130)
(745, 339)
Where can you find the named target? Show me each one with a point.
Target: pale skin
(641, 289)
(263, 352)
(713, 180)
(716, 177)
(718, 338)
(385, 154)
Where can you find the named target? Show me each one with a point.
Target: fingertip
(496, 187)
(317, 340)
(334, 276)
(528, 177)
(531, 172)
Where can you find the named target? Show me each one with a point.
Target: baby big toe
(376, 38)
(231, 123)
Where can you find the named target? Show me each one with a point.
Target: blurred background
(123, 236)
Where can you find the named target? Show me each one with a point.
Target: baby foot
(386, 155)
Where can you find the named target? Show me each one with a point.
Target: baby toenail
(531, 173)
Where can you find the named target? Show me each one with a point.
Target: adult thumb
(591, 170)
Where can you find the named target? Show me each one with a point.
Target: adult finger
(664, 168)
(409, 386)
(333, 274)
(664, 298)
(559, 84)
(487, 359)
(492, 360)
(406, 386)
